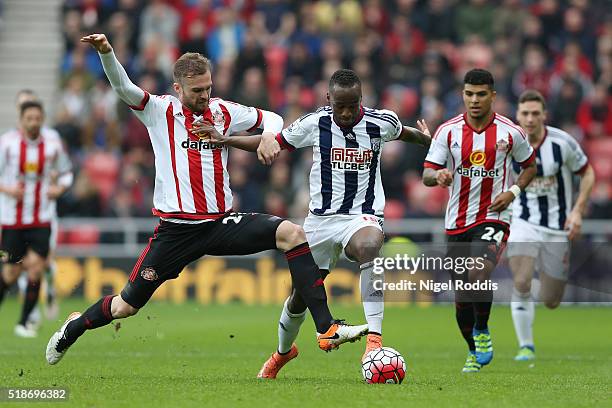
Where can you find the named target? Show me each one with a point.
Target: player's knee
(552, 303)
(522, 285)
(367, 250)
(120, 308)
(290, 235)
(10, 273)
(36, 270)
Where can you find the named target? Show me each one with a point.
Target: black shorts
(16, 242)
(486, 240)
(173, 246)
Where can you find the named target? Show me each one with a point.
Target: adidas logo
(179, 115)
(455, 145)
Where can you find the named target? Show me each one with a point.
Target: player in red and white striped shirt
(193, 199)
(34, 172)
(472, 153)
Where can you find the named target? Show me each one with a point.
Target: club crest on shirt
(502, 145)
(292, 127)
(218, 118)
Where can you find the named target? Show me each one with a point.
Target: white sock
(50, 277)
(373, 301)
(523, 314)
(288, 328)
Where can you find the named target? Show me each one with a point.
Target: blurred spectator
(158, 21)
(595, 113)
(438, 22)
(82, 200)
(251, 56)
(301, 64)
(252, 91)
(226, 40)
(475, 18)
(533, 74)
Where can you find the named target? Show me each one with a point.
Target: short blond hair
(190, 64)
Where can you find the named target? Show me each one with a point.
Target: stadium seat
(103, 169)
(86, 234)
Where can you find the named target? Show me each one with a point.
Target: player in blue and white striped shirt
(347, 197)
(543, 219)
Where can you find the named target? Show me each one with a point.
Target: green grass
(207, 356)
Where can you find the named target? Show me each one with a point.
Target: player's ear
(177, 88)
(327, 96)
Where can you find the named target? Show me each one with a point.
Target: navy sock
(464, 313)
(308, 282)
(98, 315)
(482, 312)
(31, 298)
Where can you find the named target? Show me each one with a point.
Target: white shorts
(550, 250)
(329, 235)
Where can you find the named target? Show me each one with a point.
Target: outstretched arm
(419, 136)
(208, 131)
(118, 78)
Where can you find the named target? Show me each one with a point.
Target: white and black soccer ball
(383, 365)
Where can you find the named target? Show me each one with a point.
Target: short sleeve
(300, 133)
(151, 109)
(62, 164)
(576, 159)
(522, 152)
(438, 151)
(392, 127)
(242, 118)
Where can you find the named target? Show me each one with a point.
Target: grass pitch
(207, 356)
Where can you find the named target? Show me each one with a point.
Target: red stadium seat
(103, 169)
(86, 234)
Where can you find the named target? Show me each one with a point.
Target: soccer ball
(383, 365)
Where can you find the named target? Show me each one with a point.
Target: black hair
(30, 104)
(345, 78)
(479, 76)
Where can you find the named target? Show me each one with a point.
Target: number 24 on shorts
(490, 235)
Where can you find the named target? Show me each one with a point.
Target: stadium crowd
(278, 55)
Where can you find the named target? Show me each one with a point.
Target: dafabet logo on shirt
(477, 159)
(200, 145)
